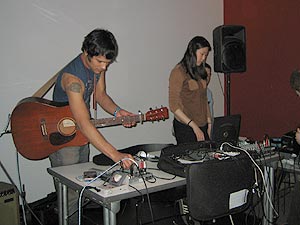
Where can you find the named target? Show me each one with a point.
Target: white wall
(38, 37)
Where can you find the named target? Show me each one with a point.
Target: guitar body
(40, 127)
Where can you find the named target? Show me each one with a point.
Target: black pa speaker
(229, 43)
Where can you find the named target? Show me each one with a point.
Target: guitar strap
(94, 98)
(46, 87)
(42, 91)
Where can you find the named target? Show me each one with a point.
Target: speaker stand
(227, 78)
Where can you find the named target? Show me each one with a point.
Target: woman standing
(187, 94)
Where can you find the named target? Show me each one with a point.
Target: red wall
(262, 94)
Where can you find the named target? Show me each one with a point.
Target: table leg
(62, 204)
(110, 215)
(268, 209)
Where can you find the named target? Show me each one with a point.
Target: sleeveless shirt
(76, 68)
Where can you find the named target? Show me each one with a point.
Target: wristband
(116, 111)
(189, 122)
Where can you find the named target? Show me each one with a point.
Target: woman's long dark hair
(189, 60)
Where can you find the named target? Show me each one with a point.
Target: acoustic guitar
(40, 127)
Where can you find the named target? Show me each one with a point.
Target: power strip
(251, 147)
(139, 179)
(108, 189)
(290, 162)
(112, 184)
(255, 147)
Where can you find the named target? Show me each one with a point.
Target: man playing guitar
(75, 84)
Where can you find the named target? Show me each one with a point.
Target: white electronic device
(119, 178)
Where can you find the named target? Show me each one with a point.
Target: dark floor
(164, 213)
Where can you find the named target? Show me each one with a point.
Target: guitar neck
(106, 122)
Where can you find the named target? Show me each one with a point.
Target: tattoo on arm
(74, 87)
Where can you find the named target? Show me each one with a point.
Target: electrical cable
(148, 197)
(5, 131)
(220, 84)
(21, 187)
(82, 190)
(231, 220)
(257, 166)
(16, 188)
(21, 192)
(138, 203)
(94, 179)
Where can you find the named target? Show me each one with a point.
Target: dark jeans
(294, 213)
(185, 134)
(69, 156)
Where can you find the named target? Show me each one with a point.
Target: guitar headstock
(157, 114)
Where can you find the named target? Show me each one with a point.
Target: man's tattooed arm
(74, 87)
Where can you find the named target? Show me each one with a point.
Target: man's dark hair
(295, 80)
(101, 42)
(189, 60)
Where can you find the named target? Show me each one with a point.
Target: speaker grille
(229, 49)
(233, 55)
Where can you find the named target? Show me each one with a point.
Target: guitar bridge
(44, 129)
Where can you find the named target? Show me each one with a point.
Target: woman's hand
(198, 132)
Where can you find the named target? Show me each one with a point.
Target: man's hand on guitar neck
(128, 123)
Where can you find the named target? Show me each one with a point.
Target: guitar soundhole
(58, 139)
(67, 126)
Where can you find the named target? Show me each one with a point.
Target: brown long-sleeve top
(188, 95)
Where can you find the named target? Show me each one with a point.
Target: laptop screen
(226, 129)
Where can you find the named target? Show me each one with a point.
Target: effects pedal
(251, 146)
(117, 183)
(119, 178)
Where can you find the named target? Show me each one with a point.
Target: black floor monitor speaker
(9, 205)
(226, 129)
(229, 43)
